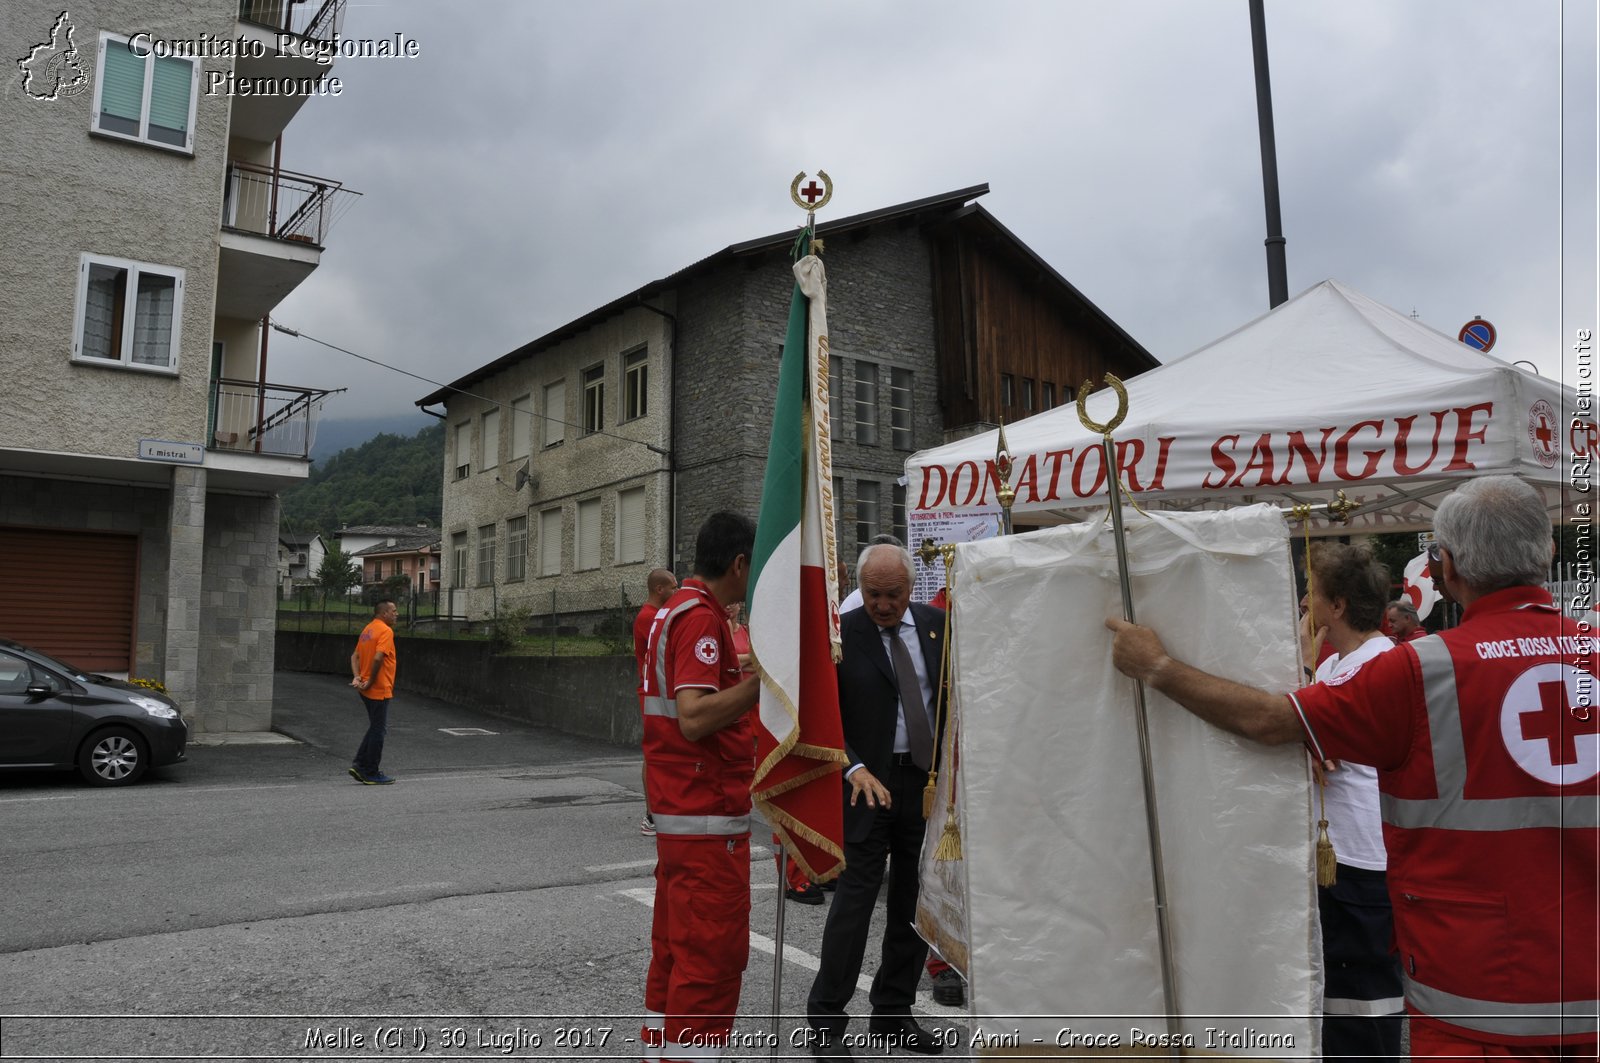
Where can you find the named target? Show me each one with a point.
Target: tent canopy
(1329, 391)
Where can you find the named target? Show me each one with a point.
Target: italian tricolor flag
(794, 600)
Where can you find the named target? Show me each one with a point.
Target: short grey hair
(1497, 532)
(1405, 607)
(900, 552)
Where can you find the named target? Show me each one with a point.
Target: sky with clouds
(539, 158)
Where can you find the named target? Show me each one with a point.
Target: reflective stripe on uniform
(651, 705)
(702, 824)
(1450, 809)
(1502, 1018)
(665, 619)
(1367, 1009)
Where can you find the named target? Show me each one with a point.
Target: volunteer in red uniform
(660, 585)
(699, 754)
(1486, 738)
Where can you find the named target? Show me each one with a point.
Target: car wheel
(116, 756)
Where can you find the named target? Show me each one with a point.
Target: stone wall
(238, 619)
(593, 697)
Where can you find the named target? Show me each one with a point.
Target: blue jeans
(371, 751)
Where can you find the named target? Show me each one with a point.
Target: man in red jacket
(699, 754)
(660, 585)
(1486, 738)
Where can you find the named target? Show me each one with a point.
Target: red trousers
(1430, 1042)
(699, 945)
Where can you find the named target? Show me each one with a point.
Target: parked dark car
(53, 715)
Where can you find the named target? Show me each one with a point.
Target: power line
(469, 394)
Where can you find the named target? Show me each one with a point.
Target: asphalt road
(258, 902)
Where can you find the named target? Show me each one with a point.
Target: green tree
(336, 575)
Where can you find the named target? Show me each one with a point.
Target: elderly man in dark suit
(888, 680)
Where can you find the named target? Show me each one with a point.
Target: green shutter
(121, 87)
(169, 100)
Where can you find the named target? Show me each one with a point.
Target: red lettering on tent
(1055, 457)
(1129, 451)
(1161, 462)
(1313, 463)
(1465, 434)
(1402, 434)
(923, 502)
(1341, 452)
(1584, 437)
(955, 484)
(1099, 472)
(1224, 462)
(1027, 480)
(1261, 461)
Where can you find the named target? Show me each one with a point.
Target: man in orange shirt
(372, 668)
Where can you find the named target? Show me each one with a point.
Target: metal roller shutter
(71, 594)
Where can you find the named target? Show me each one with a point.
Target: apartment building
(579, 461)
(150, 227)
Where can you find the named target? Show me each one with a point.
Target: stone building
(149, 228)
(579, 461)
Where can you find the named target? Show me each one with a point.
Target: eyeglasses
(1436, 551)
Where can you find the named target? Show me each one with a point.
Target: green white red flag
(794, 600)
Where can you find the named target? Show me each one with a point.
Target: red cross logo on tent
(1550, 722)
(1542, 432)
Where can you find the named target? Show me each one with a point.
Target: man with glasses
(1487, 743)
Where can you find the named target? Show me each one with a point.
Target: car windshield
(77, 674)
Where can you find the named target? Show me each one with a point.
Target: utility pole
(1277, 265)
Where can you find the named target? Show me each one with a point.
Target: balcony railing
(317, 22)
(282, 204)
(265, 418)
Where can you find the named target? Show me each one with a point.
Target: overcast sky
(541, 158)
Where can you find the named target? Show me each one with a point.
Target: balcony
(291, 41)
(274, 224)
(271, 419)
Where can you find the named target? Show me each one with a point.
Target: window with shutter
(588, 534)
(550, 543)
(145, 97)
(630, 526)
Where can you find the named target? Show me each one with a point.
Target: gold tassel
(1327, 865)
(949, 847)
(928, 793)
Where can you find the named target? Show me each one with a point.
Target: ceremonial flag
(1418, 585)
(794, 599)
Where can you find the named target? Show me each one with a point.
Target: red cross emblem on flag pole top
(813, 197)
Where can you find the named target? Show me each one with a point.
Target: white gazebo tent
(1331, 390)
(1048, 909)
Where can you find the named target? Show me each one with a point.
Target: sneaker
(379, 779)
(647, 826)
(805, 893)
(355, 773)
(949, 989)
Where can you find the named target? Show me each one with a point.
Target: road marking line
(622, 867)
(799, 957)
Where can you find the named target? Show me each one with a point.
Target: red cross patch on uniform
(1550, 724)
(707, 650)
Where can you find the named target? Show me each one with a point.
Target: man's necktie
(918, 734)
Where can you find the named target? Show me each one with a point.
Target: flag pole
(1169, 985)
(809, 200)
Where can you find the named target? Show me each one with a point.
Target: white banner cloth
(1060, 901)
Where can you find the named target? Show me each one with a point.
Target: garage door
(71, 595)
